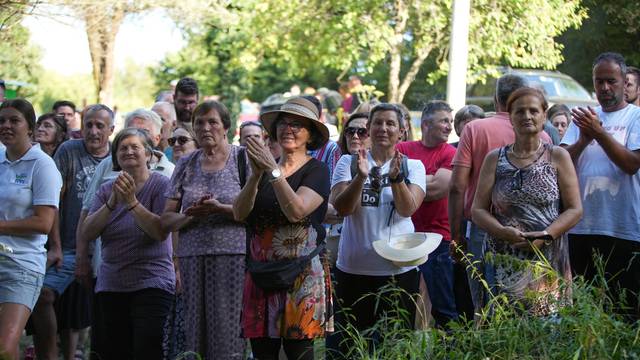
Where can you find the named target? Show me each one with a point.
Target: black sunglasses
(376, 178)
(179, 139)
(362, 132)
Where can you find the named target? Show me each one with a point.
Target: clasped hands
(260, 157)
(523, 240)
(123, 192)
(363, 164)
(587, 120)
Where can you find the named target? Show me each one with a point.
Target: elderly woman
(210, 252)
(183, 142)
(29, 199)
(559, 116)
(284, 204)
(51, 131)
(136, 281)
(528, 199)
(377, 200)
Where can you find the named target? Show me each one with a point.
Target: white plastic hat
(408, 249)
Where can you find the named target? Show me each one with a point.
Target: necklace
(521, 157)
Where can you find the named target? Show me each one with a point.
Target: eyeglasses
(362, 132)
(181, 140)
(295, 126)
(376, 178)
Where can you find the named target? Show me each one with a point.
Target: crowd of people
(171, 239)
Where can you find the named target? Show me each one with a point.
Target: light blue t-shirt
(610, 197)
(29, 181)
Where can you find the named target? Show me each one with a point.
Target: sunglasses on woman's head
(362, 132)
(181, 140)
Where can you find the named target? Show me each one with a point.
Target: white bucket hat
(408, 249)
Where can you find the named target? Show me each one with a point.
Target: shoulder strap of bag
(242, 166)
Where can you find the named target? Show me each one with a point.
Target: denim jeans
(479, 270)
(438, 276)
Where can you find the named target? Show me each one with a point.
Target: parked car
(559, 88)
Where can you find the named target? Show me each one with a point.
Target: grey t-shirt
(77, 167)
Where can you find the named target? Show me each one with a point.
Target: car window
(559, 87)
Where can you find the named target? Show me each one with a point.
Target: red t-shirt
(432, 216)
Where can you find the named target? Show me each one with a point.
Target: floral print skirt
(300, 312)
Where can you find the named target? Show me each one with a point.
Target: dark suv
(559, 88)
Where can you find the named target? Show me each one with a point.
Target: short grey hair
(468, 112)
(90, 110)
(168, 106)
(146, 115)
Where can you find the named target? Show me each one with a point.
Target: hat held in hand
(408, 249)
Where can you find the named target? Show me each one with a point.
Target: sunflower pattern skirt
(300, 312)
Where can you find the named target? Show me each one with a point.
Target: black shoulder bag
(273, 275)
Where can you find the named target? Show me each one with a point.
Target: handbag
(281, 274)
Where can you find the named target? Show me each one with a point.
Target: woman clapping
(136, 281)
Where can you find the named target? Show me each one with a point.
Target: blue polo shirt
(29, 181)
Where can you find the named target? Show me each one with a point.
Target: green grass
(586, 328)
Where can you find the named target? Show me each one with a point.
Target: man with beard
(185, 100)
(632, 86)
(604, 144)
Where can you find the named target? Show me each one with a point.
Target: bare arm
(172, 219)
(149, 222)
(243, 204)
(94, 224)
(459, 183)
(345, 196)
(41, 222)
(625, 159)
(480, 209)
(407, 198)
(569, 194)
(587, 120)
(82, 241)
(295, 205)
(438, 185)
(577, 148)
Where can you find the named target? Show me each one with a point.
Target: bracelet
(108, 207)
(398, 179)
(134, 205)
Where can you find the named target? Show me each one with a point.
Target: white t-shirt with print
(610, 197)
(371, 221)
(29, 181)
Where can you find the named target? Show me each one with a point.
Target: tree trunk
(102, 24)
(410, 76)
(395, 53)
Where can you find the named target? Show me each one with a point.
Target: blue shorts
(19, 285)
(59, 279)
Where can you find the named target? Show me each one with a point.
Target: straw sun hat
(408, 249)
(301, 107)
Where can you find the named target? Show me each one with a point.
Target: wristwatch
(276, 174)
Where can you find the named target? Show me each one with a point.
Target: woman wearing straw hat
(527, 201)
(284, 203)
(377, 194)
